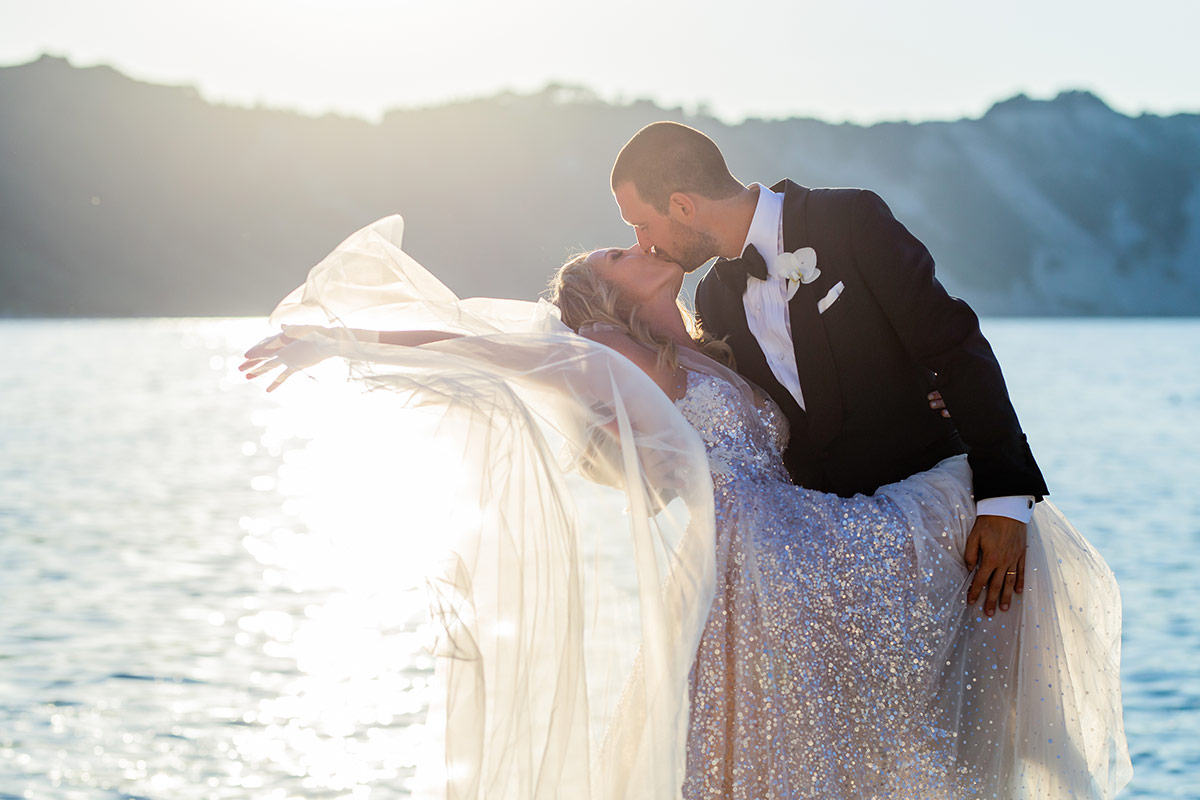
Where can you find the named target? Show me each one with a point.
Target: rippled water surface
(200, 601)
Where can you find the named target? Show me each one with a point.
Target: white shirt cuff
(1019, 508)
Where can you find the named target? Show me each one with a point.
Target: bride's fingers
(937, 402)
(267, 347)
(261, 347)
(262, 369)
(250, 363)
(283, 376)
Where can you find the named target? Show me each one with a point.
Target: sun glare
(371, 495)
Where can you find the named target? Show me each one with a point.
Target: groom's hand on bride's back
(996, 551)
(937, 403)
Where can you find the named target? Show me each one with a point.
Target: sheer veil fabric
(564, 649)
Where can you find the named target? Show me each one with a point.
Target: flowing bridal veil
(563, 648)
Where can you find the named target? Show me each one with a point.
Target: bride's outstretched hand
(285, 350)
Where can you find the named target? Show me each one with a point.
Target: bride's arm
(608, 396)
(405, 338)
(295, 349)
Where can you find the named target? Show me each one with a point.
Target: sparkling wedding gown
(726, 634)
(840, 658)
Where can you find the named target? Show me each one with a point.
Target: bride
(744, 638)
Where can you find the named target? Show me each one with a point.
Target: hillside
(124, 198)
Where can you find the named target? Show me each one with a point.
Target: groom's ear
(682, 207)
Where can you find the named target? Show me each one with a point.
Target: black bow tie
(734, 271)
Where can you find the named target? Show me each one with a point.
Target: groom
(832, 307)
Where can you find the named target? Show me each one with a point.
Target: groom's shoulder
(841, 196)
(826, 199)
(787, 187)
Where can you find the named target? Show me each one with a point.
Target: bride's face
(639, 275)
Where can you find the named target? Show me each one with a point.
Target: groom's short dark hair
(666, 157)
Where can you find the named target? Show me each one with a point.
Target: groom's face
(662, 233)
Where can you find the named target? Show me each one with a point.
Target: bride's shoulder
(643, 357)
(616, 339)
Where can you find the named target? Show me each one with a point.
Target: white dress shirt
(769, 320)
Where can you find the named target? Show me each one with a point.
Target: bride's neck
(663, 317)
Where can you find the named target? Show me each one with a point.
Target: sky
(839, 60)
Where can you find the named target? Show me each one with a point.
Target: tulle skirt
(841, 658)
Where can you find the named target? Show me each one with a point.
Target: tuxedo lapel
(751, 362)
(814, 358)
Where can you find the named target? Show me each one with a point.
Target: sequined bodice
(744, 439)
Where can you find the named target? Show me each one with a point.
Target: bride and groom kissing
(851, 346)
(871, 597)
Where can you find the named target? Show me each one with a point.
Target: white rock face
(1062, 206)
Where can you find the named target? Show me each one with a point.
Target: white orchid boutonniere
(799, 267)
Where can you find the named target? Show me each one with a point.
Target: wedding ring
(1011, 572)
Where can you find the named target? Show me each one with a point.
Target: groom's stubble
(690, 248)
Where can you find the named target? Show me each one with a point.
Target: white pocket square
(830, 296)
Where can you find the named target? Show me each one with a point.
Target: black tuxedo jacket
(867, 363)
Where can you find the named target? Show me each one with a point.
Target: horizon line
(580, 94)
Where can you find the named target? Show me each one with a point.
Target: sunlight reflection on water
(222, 590)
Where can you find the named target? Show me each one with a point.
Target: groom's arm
(942, 333)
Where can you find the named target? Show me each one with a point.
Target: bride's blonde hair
(584, 298)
